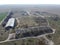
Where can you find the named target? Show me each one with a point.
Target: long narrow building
(10, 24)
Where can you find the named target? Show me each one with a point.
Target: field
(2, 16)
(2, 31)
(31, 21)
(56, 25)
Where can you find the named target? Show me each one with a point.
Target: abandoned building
(10, 24)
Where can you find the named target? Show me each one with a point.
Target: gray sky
(2, 2)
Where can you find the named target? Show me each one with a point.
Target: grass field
(2, 31)
(2, 16)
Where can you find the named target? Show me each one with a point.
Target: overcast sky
(2, 2)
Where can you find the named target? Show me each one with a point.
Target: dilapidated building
(11, 23)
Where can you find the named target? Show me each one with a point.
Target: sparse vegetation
(30, 21)
(55, 25)
(28, 41)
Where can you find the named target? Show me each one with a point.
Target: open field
(2, 16)
(43, 10)
(55, 25)
(31, 21)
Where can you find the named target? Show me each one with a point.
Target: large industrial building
(11, 23)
